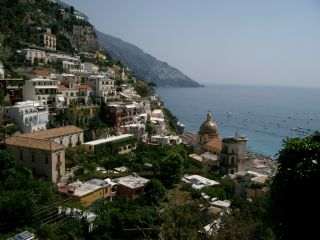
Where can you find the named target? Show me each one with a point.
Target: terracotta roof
(83, 86)
(42, 144)
(41, 72)
(215, 143)
(62, 88)
(54, 132)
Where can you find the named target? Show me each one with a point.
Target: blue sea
(265, 114)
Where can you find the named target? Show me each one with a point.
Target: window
(114, 189)
(58, 156)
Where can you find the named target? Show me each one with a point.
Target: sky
(256, 42)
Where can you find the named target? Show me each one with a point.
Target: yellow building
(83, 193)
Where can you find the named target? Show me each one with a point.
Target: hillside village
(103, 156)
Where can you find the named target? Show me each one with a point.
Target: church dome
(209, 126)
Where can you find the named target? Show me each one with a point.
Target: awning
(61, 99)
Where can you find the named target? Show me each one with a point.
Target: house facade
(122, 144)
(32, 55)
(12, 89)
(44, 38)
(43, 157)
(120, 114)
(45, 89)
(131, 186)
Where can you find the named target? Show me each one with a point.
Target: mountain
(143, 64)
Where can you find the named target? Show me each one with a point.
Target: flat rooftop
(210, 156)
(79, 189)
(221, 204)
(196, 157)
(110, 139)
(198, 182)
(132, 181)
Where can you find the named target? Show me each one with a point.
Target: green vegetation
(7, 131)
(171, 168)
(293, 187)
(143, 89)
(171, 120)
(64, 44)
(125, 219)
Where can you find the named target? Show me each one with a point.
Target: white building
(90, 68)
(165, 140)
(44, 89)
(157, 120)
(84, 93)
(157, 114)
(68, 94)
(34, 54)
(78, 16)
(198, 182)
(102, 86)
(137, 129)
(54, 57)
(30, 116)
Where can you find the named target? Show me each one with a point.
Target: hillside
(74, 34)
(19, 18)
(144, 65)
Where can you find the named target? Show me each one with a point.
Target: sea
(265, 114)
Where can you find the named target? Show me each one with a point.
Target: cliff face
(84, 38)
(144, 65)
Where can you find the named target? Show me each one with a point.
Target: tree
(16, 209)
(11, 129)
(181, 222)
(171, 168)
(143, 89)
(293, 187)
(154, 192)
(7, 161)
(150, 128)
(71, 9)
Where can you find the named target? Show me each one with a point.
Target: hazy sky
(270, 42)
